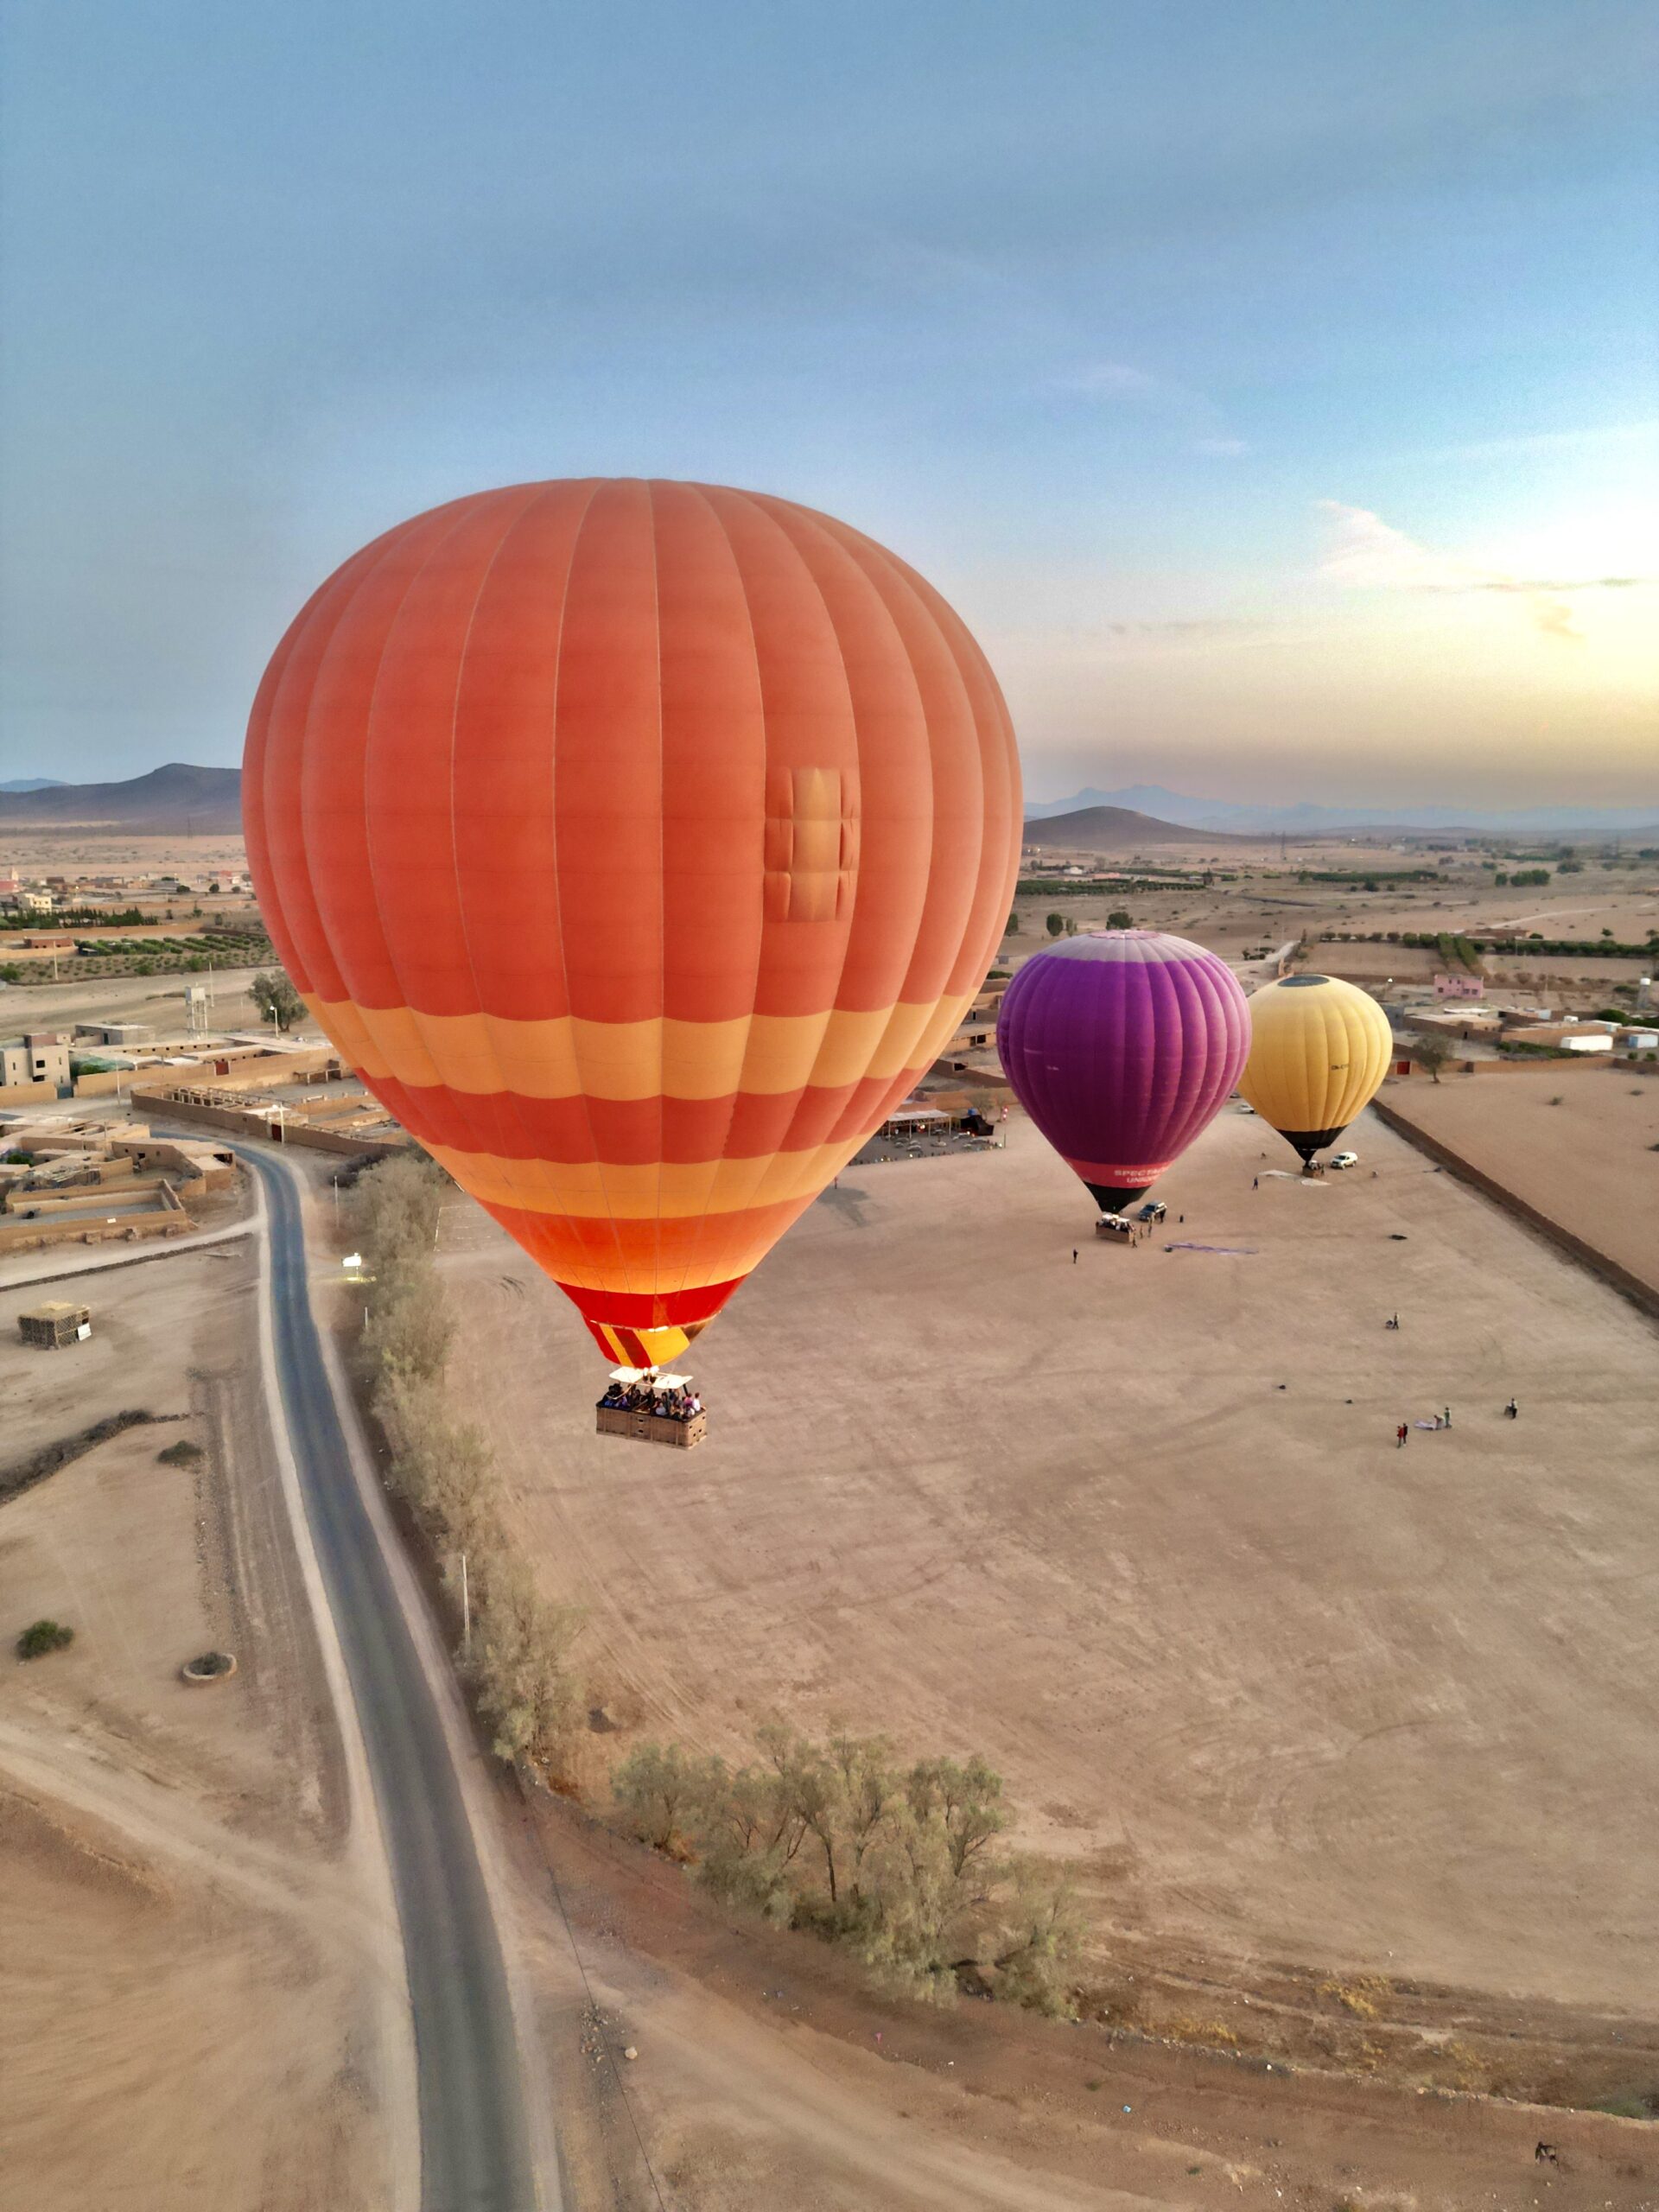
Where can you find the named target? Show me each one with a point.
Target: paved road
(474, 2150)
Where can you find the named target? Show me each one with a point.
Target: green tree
(1430, 1052)
(1012, 930)
(664, 1794)
(1120, 918)
(276, 999)
(41, 1636)
(525, 1686)
(1036, 1948)
(1055, 924)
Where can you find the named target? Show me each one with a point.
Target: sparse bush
(837, 1838)
(521, 1663)
(41, 1636)
(519, 1660)
(184, 1454)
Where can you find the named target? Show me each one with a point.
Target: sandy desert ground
(1137, 1530)
(1264, 891)
(155, 1000)
(197, 1964)
(1580, 1144)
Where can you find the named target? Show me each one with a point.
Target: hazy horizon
(1274, 396)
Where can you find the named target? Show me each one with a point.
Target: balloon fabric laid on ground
(1319, 1050)
(1121, 1045)
(639, 844)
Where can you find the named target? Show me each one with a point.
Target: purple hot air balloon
(1122, 1047)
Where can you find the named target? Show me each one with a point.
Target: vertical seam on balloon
(662, 886)
(912, 588)
(502, 1088)
(694, 1242)
(903, 994)
(440, 539)
(314, 609)
(766, 508)
(558, 889)
(285, 649)
(962, 647)
(392, 540)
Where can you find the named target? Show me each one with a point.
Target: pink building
(1458, 987)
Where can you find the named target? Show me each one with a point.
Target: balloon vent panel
(811, 845)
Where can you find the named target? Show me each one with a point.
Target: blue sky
(1273, 389)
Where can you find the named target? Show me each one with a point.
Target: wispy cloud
(1120, 382)
(1546, 441)
(1210, 628)
(1114, 380)
(1364, 553)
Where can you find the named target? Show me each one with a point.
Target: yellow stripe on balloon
(766, 1055)
(668, 1189)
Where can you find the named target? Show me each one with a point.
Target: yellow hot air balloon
(1319, 1049)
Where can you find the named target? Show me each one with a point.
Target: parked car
(1154, 1210)
(1345, 1159)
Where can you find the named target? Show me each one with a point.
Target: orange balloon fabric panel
(639, 843)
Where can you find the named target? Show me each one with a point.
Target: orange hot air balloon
(640, 844)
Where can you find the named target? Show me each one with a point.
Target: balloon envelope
(1319, 1050)
(1122, 1047)
(639, 843)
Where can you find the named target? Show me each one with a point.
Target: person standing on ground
(1445, 1418)
(1512, 1412)
(1074, 1256)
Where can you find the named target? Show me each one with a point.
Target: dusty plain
(196, 1964)
(1581, 1144)
(1351, 1750)
(1136, 1528)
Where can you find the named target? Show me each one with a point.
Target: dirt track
(769, 2074)
(193, 1955)
(1276, 1689)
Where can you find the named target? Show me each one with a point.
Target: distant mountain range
(1117, 830)
(179, 799)
(173, 800)
(1307, 820)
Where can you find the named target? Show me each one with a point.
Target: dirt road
(206, 2008)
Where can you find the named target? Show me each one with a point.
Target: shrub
(184, 1454)
(41, 1636)
(900, 1864)
(519, 1657)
